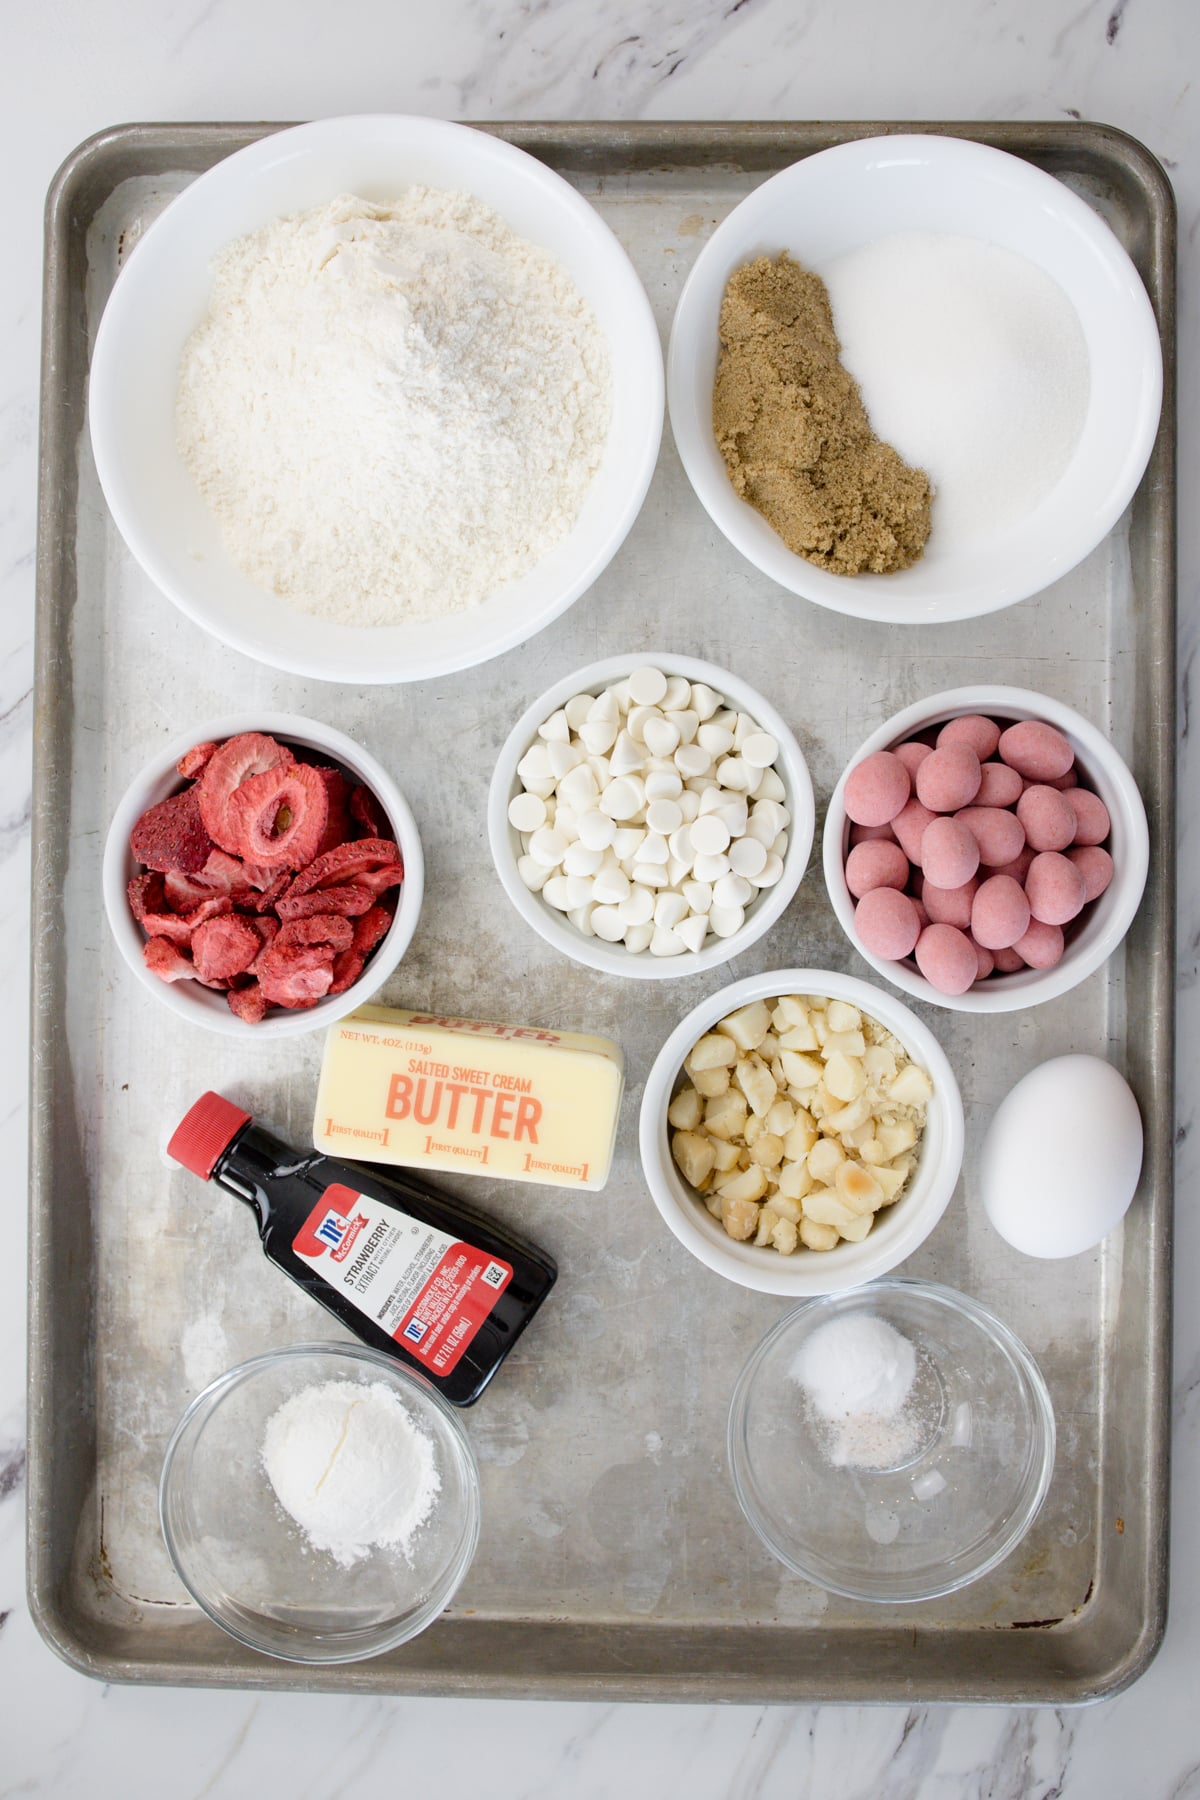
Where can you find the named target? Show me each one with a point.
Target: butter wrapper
(430, 1091)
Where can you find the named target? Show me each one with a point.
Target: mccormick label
(428, 1291)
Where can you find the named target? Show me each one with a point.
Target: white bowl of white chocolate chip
(801, 1132)
(651, 815)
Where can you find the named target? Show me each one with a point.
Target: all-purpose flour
(392, 409)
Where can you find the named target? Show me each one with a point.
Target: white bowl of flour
(375, 399)
(1002, 340)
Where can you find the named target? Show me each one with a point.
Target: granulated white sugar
(973, 363)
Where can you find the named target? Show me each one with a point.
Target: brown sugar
(790, 423)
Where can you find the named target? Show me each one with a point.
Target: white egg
(1062, 1156)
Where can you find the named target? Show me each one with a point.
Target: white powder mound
(352, 1467)
(392, 410)
(972, 364)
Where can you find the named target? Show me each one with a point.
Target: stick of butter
(433, 1092)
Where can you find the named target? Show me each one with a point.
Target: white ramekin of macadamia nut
(801, 1132)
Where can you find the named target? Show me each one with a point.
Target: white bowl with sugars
(159, 778)
(1092, 938)
(161, 298)
(616, 958)
(855, 196)
(899, 1229)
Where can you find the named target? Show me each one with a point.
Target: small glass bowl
(911, 1508)
(249, 1565)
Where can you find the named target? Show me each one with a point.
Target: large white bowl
(162, 296)
(1090, 942)
(614, 959)
(160, 778)
(898, 1230)
(839, 200)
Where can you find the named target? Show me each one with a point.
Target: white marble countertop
(72, 66)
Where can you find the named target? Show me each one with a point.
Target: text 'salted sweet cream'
(425, 1090)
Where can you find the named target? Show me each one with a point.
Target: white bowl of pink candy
(986, 849)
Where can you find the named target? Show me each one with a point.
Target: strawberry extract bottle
(407, 1270)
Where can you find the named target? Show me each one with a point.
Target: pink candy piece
(1018, 868)
(947, 959)
(886, 922)
(999, 834)
(998, 785)
(999, 913)
(949, 779)
(1092, 823)
(876, 789)
(866, 834)
(949, 906)
(1063, 782)
(1008, 962)
(971, 728)
(1041, 947)
(987, 962)
(1048, 818)
(1036, 750)
(909, 826)
(875, 865)
(949, 853)
(1096, 867)
(1055, 888)
(912, 754)
(922, 915)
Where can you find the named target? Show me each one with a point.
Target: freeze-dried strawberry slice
(337, 792)
(367, 813)
(345, 864)
(350, 901)
(268, 900)
(180, 926)
(280, 816)
(221, 874)
(222, 948)
(371, 929)
(346, 970)
(249, 1003)
(145, 894)
(167, 961)
(193, 761)
(320, 928)
(378, 881)
(295, 977)
(172, 835)
(239, 759)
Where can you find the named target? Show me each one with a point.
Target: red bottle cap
(206, 1130)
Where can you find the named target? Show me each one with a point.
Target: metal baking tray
(614, 1563)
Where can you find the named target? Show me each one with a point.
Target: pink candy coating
(1063, 782)
(909, 826)
(1018, 868)
(1096, 867)
(1036, 750)
(999, 834)
(987, 962)
(1092, 823)
(866, 834)
(947, 959)
(971, 728)
(874, 865)
(876, 789)
(1055, 888)
(912, 754)
(886, 921)
(949, 853)
(1008, 962)
(949, 906)
(949, 778)
(998, 785)
(1041, 947)
(1048, 818)
(999, 913)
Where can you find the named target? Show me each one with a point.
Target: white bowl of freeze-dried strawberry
(263, 875)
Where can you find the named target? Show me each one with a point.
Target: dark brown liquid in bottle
(310, 1199)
